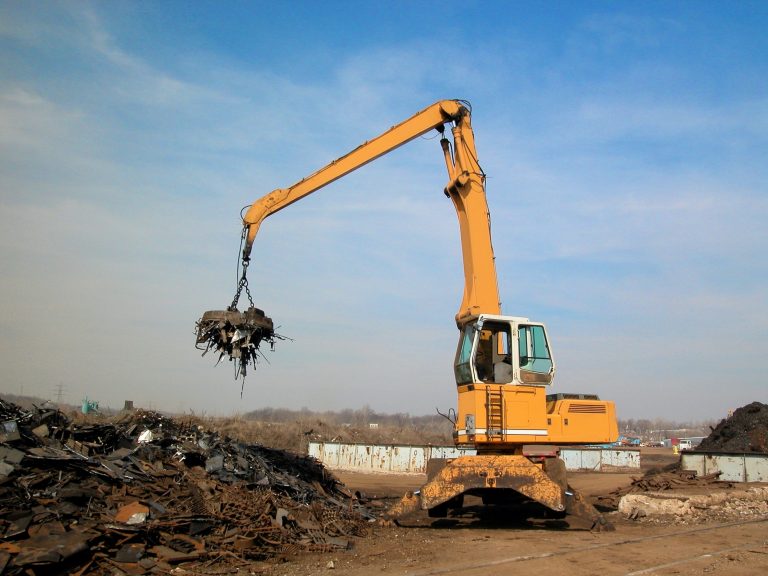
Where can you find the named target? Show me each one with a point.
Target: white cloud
(30, 124)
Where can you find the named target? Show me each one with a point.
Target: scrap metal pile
(236, 335)
(146, 493)
(746, 430)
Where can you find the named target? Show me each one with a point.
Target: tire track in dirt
(608, 564)
(654, 569)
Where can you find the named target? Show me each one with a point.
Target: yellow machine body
(505, 415)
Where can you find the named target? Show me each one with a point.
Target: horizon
(373, 413)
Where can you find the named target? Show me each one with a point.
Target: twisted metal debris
(146, 493)
(236, 335)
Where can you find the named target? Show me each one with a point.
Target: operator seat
(502, 372)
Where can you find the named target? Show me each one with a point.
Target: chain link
(243, 283)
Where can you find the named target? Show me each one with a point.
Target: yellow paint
(526, 408)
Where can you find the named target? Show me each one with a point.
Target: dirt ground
(478, 543)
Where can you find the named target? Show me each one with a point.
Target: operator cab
(504, 350)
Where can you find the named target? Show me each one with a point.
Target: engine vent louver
(586, 409)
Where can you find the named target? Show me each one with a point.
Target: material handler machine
(503, 364)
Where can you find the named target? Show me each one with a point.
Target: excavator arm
(465, 188)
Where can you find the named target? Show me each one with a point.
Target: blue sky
(625, 148)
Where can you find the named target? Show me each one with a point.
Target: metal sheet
(693, 462)
(591, 460)
(361, 457)
(578, 459)
(448, 452)
(9, 431)
(619, 459)
(347, 456)
(406, 459)
(732, 467)
(756, 468)
(381, 458)
(572, 459)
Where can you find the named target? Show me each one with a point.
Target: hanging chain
(243, 282)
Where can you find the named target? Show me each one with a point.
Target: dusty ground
(477, 544)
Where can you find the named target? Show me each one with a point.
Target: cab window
(535, 358)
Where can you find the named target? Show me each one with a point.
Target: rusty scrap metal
(236, 335)
(141, 507)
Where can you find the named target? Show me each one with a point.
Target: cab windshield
(462, 366)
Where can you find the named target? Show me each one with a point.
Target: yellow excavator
(503, 364)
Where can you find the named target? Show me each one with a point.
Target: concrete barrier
(412, 459)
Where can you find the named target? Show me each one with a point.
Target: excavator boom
(431, 118)
(465, 187)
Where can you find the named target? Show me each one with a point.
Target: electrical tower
(59, 392)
